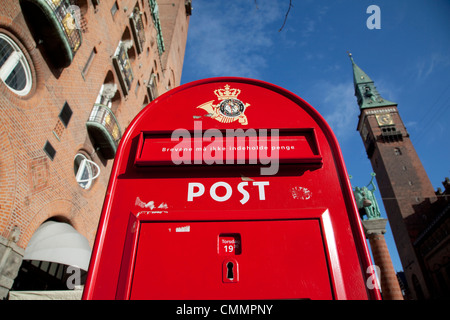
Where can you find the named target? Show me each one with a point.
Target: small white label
(183, 229)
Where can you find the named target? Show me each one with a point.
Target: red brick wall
(404, 186)
(34, 188)
(402, 179)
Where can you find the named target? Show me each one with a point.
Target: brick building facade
(74, 74)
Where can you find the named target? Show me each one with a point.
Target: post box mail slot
(229, 188)
(227, 147)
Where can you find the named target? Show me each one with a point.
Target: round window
(14, 69)
(85, 170)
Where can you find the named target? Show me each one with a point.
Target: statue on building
(366, 202)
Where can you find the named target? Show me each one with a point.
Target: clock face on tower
(384, 119)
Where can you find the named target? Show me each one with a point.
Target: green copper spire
(365, 90)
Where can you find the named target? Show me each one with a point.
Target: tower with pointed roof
(404, 186)
(365, 90)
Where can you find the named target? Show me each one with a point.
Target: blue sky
(408, 58)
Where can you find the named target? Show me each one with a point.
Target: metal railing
(68, 15)
(103, 115)
(122, 65)
(138, 29)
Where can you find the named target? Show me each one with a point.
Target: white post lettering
(261, 184)
(191, 193)
(214, 195)
(244, 192)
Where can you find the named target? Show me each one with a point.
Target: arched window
(124, 56)
(152, 86)
(85, 170)
(14, 69)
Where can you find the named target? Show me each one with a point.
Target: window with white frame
(85, 170)
(15, 71)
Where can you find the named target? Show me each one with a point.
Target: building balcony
(55, 28)
(122, 65)
(152, 88)
(138, 29)
(104, 130)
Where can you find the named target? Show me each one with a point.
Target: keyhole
(230, 273)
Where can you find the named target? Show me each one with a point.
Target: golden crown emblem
(227, 93)
(229, 109)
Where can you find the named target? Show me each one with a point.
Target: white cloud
(427, 65)
(229, 41)
(339, 107)
(309, 27)
(424, 68)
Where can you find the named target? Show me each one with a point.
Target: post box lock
(230, 271)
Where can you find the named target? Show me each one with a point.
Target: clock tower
(405, 188)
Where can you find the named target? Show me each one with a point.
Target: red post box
(229, 188)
